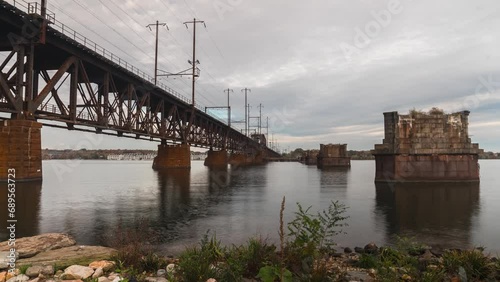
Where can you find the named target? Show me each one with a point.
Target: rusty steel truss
(64, 83)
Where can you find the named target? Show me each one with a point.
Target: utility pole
(260, 118)
(194, 62)
(228, 107)
(157, 24)
(246, 113)
(273, 144)
(267, 129)
(43, 13)
(248, 119)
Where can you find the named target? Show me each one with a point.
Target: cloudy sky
(324, 70)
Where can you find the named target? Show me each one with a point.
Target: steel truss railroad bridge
(54, 76)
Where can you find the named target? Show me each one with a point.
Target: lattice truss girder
(74, 97)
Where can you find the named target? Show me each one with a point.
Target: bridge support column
(260, 157)
(238, 159)
(248, 159)
(175, 156)
(21, 150)
(216, 158)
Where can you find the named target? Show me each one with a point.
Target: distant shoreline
(84, 154)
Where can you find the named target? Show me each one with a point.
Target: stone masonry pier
(426, 147)
(333, 155)
(21, 150)
(173, 156)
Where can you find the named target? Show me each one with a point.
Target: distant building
(131, 157)
(198, 156)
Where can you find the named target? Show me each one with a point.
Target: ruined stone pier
(21, 149)
(333, 155)
(310, 157)
(244, 158)
(216, 158)
(172, 156)
(426, 147)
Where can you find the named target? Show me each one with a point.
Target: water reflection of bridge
(440, 214)
(28, 202)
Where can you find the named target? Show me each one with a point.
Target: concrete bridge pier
(173, 156)
(216, 158)
(20, 150)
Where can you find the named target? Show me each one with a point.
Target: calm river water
(88, 199)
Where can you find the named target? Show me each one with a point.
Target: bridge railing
(35, 8)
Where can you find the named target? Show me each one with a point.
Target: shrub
(256, 254)
(368, 261)
(409, 246)
(452, 260)
(201, 262)
(433, 275)
(436, 111)
(312, 235)
(477, 266)
(319, 229)
(132, 245)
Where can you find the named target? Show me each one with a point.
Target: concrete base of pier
(247, 159)
(411, 168)
(324, 162)
(174, 156)
(20, 150)
(216, 158)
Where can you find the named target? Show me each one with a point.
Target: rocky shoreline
(56, 257)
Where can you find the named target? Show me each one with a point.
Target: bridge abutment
(21, 150)
(216, 158)
(173, 156)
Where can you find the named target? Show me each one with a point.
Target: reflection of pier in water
(334, 178)
(429, 212)
(28, 196)
(174, 185)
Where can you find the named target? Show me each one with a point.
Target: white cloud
(431, 54)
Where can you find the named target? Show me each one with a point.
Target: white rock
(106, 265)
(78, 272)
(30, 246)
(103, 279)
(161, 272)
(4, 260)
(117, 279)
(112, 276)
(156, 279)
(98, 273)
(171, 268)
(36, 270)
(19, 278)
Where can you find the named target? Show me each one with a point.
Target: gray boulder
(30, 246)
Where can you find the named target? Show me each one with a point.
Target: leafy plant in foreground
(318, 229)
(271, 273)
(311, 236)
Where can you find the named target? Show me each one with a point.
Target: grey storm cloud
(324, 70)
